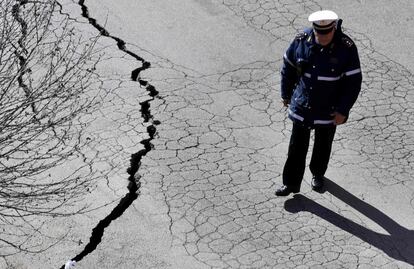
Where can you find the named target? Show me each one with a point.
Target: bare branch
(46, 78)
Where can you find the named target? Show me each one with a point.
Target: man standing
(320, 82)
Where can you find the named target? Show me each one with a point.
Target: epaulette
(301, 35)
(347, 41)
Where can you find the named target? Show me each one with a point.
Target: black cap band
(324, 27)
(324, 32)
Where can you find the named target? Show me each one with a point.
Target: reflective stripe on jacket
(320, 80)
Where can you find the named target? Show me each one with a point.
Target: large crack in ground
(21, 54)
(135, 161)
(215, 179)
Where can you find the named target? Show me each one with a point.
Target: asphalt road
(206, 197)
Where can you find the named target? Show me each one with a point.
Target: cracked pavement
(207, 188)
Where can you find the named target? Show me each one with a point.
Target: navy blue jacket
(320, 80)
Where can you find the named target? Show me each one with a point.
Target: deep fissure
(21, 54)
(135, 161)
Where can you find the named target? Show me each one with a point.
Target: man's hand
(338, 118)
(285, 102)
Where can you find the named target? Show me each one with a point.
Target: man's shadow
(399, 244)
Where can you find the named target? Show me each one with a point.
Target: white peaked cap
(323, 17)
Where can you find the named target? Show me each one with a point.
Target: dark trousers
(298, 148)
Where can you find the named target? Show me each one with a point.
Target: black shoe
(286, 190)
(317, 183)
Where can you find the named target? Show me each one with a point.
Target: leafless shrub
(46, 72)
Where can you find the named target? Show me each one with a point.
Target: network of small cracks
(280, 19)
(216, 166)
(217, 154)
